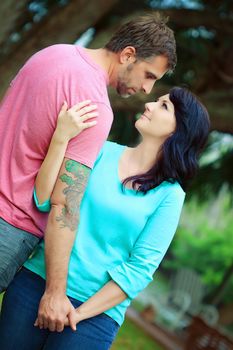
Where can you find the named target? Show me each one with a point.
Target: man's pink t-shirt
(28, 115)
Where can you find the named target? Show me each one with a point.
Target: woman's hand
(73, 121)
(73, 318)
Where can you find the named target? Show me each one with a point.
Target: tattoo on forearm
(76, 184)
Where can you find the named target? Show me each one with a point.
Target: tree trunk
(215, 298)
(9, 18)
(64, 25)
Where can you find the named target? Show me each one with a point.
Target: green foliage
(204, 243)
(215, 171)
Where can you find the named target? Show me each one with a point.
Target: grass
(131, 337)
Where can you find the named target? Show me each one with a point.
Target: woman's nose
(148, 106)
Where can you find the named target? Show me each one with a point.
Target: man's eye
(150, 76)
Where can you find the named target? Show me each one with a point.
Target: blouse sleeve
(45, 206)
(137, 272)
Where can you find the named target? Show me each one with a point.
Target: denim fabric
(15, 247)
(19, 311)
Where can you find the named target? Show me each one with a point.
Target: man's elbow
(57, 200)
(62, 206)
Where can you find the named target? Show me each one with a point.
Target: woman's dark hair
(178, 156)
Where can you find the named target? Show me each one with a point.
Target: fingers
(51, 325)
(40, 322)
(66, 323)
(64, 106)
(72, 319)
(55, 325)
(80, 105)
(81, 121)
(72, 121)
(87, 116)
(84, 111)
(52, 312)
(45, 323)
(89, 124)
(60, 326)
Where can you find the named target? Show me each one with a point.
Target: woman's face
(158, 120)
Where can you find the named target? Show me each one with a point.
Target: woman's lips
(144, 115)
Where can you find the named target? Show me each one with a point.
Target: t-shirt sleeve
(137, 272)
(85, 147)
(45, 206)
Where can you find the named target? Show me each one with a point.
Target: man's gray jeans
(15, 247)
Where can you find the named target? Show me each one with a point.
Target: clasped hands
(55, 312)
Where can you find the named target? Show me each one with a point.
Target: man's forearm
(58, 245)
(54, 305)
(63, 223)
(59, 239)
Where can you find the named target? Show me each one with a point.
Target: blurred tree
(41, 23)
(204, 33)
(203, 30)
(216, 171)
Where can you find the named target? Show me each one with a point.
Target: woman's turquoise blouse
(122, 235)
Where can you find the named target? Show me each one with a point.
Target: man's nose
(147, 87)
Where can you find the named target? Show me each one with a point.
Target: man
(139, 54)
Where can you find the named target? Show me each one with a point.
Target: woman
(129, 215)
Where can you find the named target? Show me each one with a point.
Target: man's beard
(124, 82)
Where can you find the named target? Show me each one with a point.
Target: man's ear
(128, 55)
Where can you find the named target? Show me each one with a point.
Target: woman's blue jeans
(19, 311)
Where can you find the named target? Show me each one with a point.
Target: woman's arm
(107, 297)
(70, 123)
(133, 275)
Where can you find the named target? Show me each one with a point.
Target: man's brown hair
(149, 35)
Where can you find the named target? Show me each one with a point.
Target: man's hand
(53, 312)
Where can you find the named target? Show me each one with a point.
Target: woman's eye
(164, 105)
